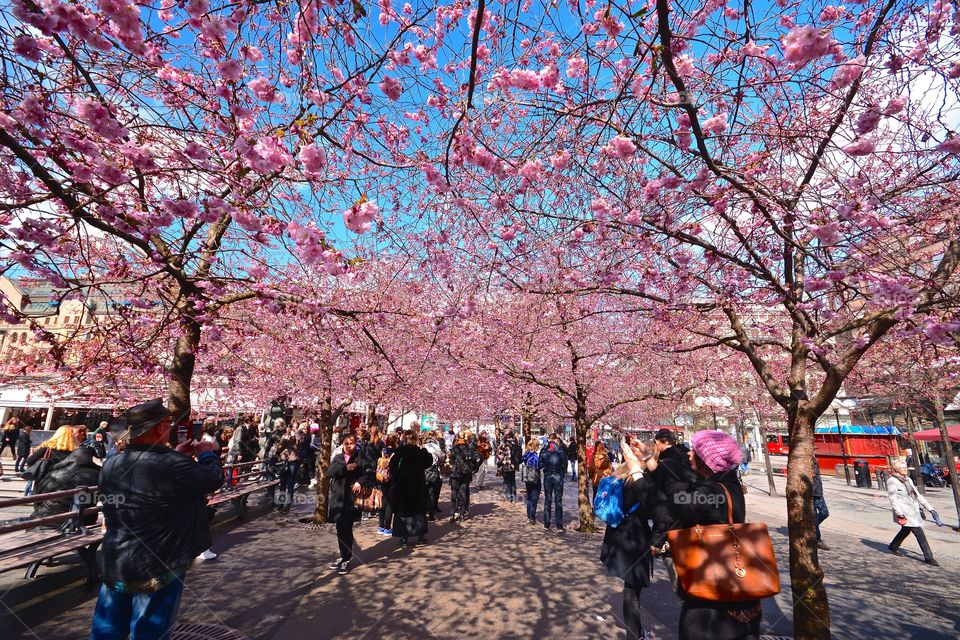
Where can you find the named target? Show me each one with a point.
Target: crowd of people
(396, 478)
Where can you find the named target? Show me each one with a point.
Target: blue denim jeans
(510, 485)
(553, 497)
(820, 512)
(139, 616)
(288, 480)
(533, 497)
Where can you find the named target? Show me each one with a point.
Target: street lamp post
(843, 449)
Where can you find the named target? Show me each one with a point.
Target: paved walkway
(494, 576)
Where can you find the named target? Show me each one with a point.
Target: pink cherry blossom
(895, 106)
(752, 49)
(576, 67)
(359, 217)
(97, 116)
(333, 262)
(950, 145)
(715, 125)
(828, 234)
(532, 172)
(524, 79)
(196, 151)
(830, 13)
(684, 66)
(804, 44)
(549, 75)
(27, 48)
(263, 89)
(310, 241)
(862, 147)
(266, 155)
(561, 160)
(391, 87)
(620, 147)
(231, 70)
(251, 54)
(197, 8)
(651, 191)
(847, 73)
(867, 122)
(313, 157)
(425, 56)
(247, 220)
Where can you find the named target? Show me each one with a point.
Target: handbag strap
(729, 503)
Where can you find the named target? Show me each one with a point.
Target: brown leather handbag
(368, 499)
(725, 562)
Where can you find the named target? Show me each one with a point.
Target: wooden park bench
(31, 543)
(250, 478)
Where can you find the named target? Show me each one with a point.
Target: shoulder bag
(39, 468)
(725, 562)
(368, 499)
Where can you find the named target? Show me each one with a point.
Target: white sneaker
(207, 555)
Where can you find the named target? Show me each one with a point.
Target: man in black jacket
(553, 462)
(154, 508)
(675, 465)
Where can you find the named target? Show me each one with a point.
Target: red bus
(778, 444)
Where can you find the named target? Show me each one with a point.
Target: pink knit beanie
(718, 450)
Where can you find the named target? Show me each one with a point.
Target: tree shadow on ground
(492, 576)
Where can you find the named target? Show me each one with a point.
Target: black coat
(408, 485)
(463, 460)
(56, 457)
(155, 509)
(371, 453)
(340, 505)
(626, 548)
(704, 502)
(10, 436)
(77, 470)
(672, 471)
(23, 444)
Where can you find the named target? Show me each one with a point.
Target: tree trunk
(371, 417)
(181, 374)
(947, 448)
(766, 455)
(323, 460)
(527, 417)
(810, 607)
(584, 504)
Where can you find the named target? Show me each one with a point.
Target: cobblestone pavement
(494, 576)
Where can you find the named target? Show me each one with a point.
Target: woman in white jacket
(905, 502)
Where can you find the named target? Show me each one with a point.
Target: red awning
(933, 435)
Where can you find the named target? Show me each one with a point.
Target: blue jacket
(553, 458)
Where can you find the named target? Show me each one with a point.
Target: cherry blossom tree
(922, 376)
(587, 361)
(792, 167)
(171, 156)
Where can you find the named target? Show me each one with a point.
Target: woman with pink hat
(715, 457)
